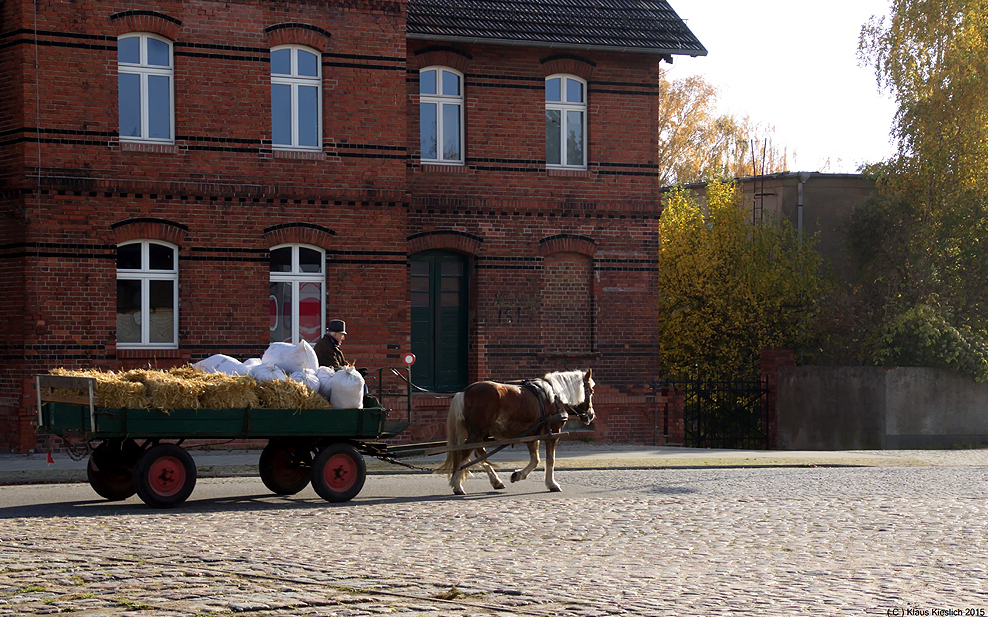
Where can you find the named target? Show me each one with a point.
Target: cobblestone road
(771, 541)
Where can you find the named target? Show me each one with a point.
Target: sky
(793, 64)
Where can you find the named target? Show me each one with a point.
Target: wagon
(140, 450)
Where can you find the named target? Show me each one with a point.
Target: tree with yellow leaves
(932, 56)
(728, 287)
(920, 255)
(696, 143)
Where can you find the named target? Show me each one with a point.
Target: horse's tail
(456, 435)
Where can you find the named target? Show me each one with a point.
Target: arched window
(298, 283)
(565, 122)
(296, 100)
(441, 115)
(147, 295)
(145, 92)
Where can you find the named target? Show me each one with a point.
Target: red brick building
(473, 182)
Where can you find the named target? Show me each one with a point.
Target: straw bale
(289, 394)
(167, 391)
(228, 391)
(111, 390)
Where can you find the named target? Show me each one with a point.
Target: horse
(491, 410)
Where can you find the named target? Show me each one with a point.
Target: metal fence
(725, 413)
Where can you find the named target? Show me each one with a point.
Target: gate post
(771, 360)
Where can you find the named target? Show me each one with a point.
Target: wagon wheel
(165, 476)
(285, 467)
(111, 469)
(338, 472)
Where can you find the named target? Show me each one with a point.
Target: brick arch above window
(146, 21)
(567, 243)
(299, 233)
(294, 33)
(448, 240)
(570, 64)
(149, 228)
(441, 56)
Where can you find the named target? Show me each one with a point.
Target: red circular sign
(409, 358)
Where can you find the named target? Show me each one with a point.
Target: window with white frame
(298, 278)
(565, 122)
(145, 93)
(147, 295)
(441, 115)
(296, 103)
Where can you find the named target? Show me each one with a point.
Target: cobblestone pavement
(762, 541)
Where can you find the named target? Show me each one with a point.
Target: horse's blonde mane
(567, 386)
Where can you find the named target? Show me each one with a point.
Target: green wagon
(140, 450)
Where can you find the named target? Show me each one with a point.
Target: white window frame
(145, 275)
(295, 81)
(563, 106)
(144, 71)
(296, 278)
(439, 99)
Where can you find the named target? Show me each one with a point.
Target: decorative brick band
(440, 56)
(291, 33)
(146, 21)
(567, 243)
(568, 63)
(444, 240)
(149, 228)
(299, 233)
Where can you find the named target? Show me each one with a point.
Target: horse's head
(585, 409)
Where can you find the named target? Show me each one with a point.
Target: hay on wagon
(187, 387)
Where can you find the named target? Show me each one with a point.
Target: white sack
(325, 375)
(291, 358)
(267, 372)
(250, 363)
(347, 391)
(220, 363)
(308, 377)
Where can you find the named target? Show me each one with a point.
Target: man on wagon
(328, 347)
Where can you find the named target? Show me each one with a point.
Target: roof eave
(664, 53)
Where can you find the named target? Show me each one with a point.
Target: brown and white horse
(491, 410)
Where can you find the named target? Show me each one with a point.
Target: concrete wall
(848, 408)
(828, 201)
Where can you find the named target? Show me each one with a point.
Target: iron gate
(725, 413)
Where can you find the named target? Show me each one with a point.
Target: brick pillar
(771, 360)
(669, 410)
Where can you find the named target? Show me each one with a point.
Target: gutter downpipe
(803, 177)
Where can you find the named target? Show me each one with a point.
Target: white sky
(793, 64)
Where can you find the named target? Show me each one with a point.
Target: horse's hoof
(459, 491)
(515, 477)
(499, 486)
(554, 489)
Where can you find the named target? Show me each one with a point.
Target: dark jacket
(329, 353)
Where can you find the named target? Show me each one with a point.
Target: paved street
(875, 540)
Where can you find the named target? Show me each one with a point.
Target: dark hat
(336, 325)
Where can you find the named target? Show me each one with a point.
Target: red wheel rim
(166, 476)
(340, 472)
(285, 469)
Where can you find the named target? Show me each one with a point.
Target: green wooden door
(439, 320)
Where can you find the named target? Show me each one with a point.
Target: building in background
(473, 181)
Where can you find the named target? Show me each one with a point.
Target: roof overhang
(664, 54)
